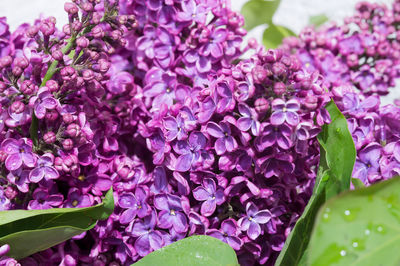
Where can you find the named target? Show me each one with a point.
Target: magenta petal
(292, 118)
(230, 144)
(254, 230)
(156, 240)
(127, 216)
(180, 222)
(36, 175)
(208, 207)
(220, 147)
(142, 245)
(229, 227)
(161, 202)
(127, 200)
(14, 161)
(10, 146)
(244, 123)
(165, 220)
(244, 223)
(234, 242)
(49, 103)
(29, 159)
(40, 111)
(214, 130)
(184, 162)
(262, 217)
(200, 194)
(154, 89)
(277, 118)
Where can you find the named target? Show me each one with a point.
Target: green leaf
(274, 35)
(258, 12)
(194, 250)
(360, 227)
(334, 173)
(33, 130)
(318, 20)
(339, 150)
(43, 229)
(357, 183)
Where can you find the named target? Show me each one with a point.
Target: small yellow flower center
(74, 203)
(172, 212)
(250, 219)
(81, 178)
(139, 206)
(168, 90)
(226, 134)
(284, 109)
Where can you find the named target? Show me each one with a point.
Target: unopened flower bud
(71, 8)
(17, 107)
(97, 32)
(104, 65)
(32, 31)
(68, 118)
(5, 61)
(52, 85)
(82, 42)
(87, 74)
(311, 102)
(279, 88)
(68, 144)
(87, 7)
(51, 115)
(17, 71)
(259, 74)
(47, 27)
(49, 137)
(68, 73)
(57, 55)
(73, 130)
(261, 105)
(76, 25)
(11, 192)
(28, 88)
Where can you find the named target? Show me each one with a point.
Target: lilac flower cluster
(363, 51)
(360, 62)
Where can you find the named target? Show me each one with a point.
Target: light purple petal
(254, 230)
(127, 216)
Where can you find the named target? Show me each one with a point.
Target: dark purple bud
(57, 55)
(82, 42)
(279, 69)
(49, 137)
(52, 85)
(96, 17)
(17, 71)
(47, 27)
(97, 32)
(32, 31)
(116, 35)
(80, 81)
(51, 115)
(5, 61)
(68, 118)
(11, 192)
(73, 130)
(259, 74)
(104, 65)
(123, 19)
(3, 156)
(352, 60)
(71, 8)
(66, 29)
(272, 55)
(311, 102)
(76, 25)
(21, 62)
(279, 88)
(87, 7)
(68, 144)
(252, 43)
(87, 74)
(28, 87)
(68, 73)
(261, 105)
(17, 107)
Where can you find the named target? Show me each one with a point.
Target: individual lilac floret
(148, 239)
(175, 128)
(42, 102)
(77, 200)
(19, 152)
(210, 195)
(228, 233)
(189, 151)
(192, 12)
(251, 222)
(275, 134)
(248, 120)
(43, 200)
(171, 212)
(285, 111)
(225, 142)
(44, 169)
(366, 167)
(135, 204)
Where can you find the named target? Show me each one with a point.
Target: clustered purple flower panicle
(152, 99)
(360, 61)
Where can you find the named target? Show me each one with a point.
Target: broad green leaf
(258, 12)
(318, 20)
(339, 150)
(334, 173)
(274, 35)
(195, 250)
(358, 228)
(45, 228)
(357, 183)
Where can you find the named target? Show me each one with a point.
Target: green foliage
(31, 231)
(196, 250)
(360, 227)
(274, 35)
(334, 173)
(318, 20)
(258, 12)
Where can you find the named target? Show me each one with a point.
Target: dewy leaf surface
(258, 12)
(360, 227)
(334, 174)
(45, 228)
(195, 250)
